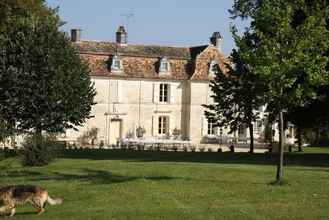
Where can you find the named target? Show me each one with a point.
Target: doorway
(115, 130)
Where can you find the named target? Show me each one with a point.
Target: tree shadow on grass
(85, 175)
(320, 160)
(18, 173)
(26, 213)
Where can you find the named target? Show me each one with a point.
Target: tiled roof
(133, 50)
(142, 61)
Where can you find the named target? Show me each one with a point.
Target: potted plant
(176, 133)
(140, 132)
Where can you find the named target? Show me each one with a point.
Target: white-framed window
(241, 131)
(211, 129)
(257, 126)
(212, 65)
(116, 66)
(163, 125)
(164, 66)
(164, 92)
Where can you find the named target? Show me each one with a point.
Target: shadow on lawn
(85, 175)
(303, 159)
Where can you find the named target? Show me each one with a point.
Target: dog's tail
(56, 201)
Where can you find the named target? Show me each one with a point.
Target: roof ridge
(141, 45)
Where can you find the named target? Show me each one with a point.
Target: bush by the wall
(40, 154)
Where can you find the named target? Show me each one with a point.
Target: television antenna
(127, 18)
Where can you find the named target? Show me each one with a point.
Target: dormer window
(164, 66)
(212, 67)
(116, 66)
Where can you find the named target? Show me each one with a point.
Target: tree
(11, 11)
(290, 52)
(6, 130)
(237, 94)
(316, 108)
(44, 85)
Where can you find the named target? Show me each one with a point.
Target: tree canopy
(238, 93)
(44, 85)
(290, 55)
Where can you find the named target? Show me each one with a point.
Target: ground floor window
(211, 127)
(257, 126)
(163, 125)
(242, 131)
(290, 132)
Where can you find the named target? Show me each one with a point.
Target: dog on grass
(11, 196)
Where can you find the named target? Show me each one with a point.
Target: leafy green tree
(290, 52)
(6, 130)
(237, 93)
(11, 11)
(313, 115)
(44, 85)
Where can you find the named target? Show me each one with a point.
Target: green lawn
(175, 185)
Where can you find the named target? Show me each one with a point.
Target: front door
(115, 131)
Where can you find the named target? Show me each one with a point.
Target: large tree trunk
(251, 133)
(279, 174)
(299, 139)
(38, 137)
(317, 136)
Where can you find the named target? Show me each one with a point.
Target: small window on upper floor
(116, 66)
(164, 93)
(212, 67)
(164, 66)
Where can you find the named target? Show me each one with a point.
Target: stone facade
(138, 95)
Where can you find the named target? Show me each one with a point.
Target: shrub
(140, 132)
(193, 148)
(176, 133)
(39, 152)
(88, 137)
(209, 149)
(201, 149)
(140, 147)
(101, 144)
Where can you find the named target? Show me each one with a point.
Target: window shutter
(155, 125)
(172, 93)
(204, 126)
(119, 92)
(114, 91)
(172, 123)
(156, 92)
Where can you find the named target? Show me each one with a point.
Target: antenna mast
(127, 18)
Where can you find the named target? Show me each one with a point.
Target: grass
(114, 184)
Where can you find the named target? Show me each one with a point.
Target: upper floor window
(212, 67)
(163, 127)
(164, 92)
(116, 65)
(164, 66)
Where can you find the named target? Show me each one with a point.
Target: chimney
(75, 35)
(121, 36)
(216, 39)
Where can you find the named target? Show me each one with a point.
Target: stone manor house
(159, 89)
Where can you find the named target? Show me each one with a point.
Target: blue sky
(169, 22)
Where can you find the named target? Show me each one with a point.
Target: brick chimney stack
(121, 36)
(216, 39)
(75, 35)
